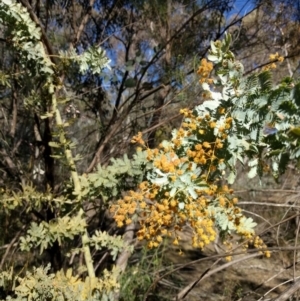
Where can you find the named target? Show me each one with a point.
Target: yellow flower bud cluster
(273, 58)
(259, 244)
(276, 57)
(164, 218)
(126, 207)
(204, 71)
(138, 139)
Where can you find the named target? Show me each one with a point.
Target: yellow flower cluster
(168, 165)
(276, 57)
(158, 213)
(259, 244)
(204, 71)
(186, 112)
(196, 154)
(155, 218)
(164, 218)
(273, 58)
(202, 125)
(138, 139)
(125, 208)
(204, 231)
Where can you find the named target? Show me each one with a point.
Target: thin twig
(271, 278)
(268, 190)
(295, 252)
(269, 204)
(288, 292)
(188, 288)
(101, 260)
(9, 246)
(257, 215)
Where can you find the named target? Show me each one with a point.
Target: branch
(84, 22)
(45, 39)
(11, 166)
(181, 295)
(288, 292)
(9, 246)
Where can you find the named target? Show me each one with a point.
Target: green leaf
(253, 172)
(54, 144)
(192, 192)
(231, 178)
(295, 131)
(296, 94)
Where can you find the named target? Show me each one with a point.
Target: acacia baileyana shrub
(182, 187)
